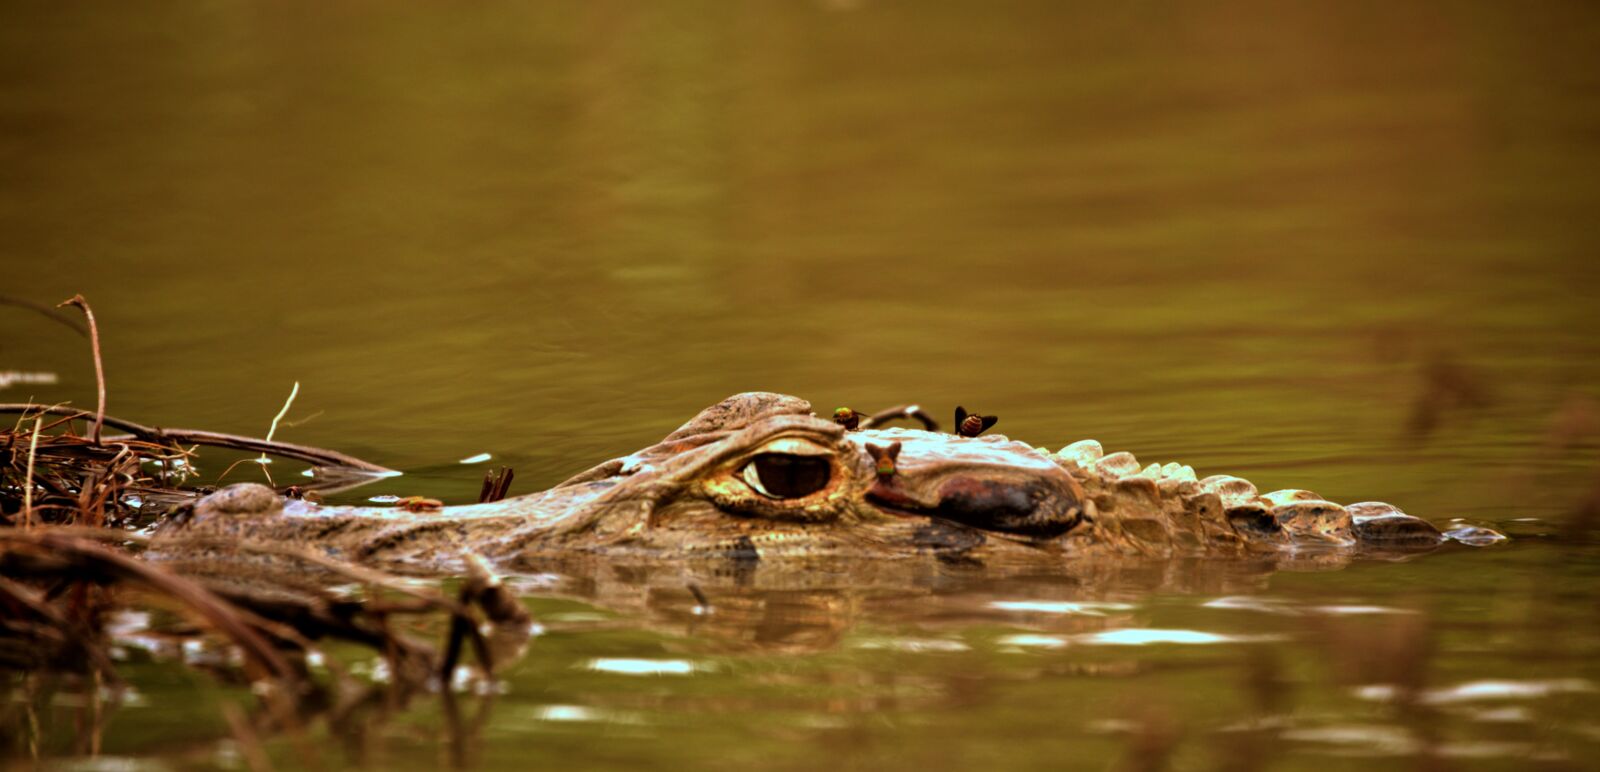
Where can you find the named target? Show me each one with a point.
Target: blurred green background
(552, 232)
(1348, 246)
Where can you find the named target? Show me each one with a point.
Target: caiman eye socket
(787, 476)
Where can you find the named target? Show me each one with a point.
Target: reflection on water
(1343, 247)
(1155, 664)
(643, 666)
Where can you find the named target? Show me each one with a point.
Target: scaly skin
(694, 495)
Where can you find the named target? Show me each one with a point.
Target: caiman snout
(986, 483)
(1002, 505)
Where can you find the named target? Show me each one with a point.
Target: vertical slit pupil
(791, 477)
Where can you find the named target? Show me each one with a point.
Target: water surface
(1275, 242)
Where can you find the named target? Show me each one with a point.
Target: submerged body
(757, 476)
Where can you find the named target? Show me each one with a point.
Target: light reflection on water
(1340, 247)
(1060, 607)
(643, 666)
(1485, 690)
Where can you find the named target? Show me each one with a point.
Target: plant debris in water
(76, 511)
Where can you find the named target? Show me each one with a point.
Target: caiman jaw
(995, 486)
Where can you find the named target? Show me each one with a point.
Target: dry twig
(496, 484)
(99, 365)
(901, 412)
(210, 439)
(27, 481)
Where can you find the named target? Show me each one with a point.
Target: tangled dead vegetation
(60, 586)
(80, 512)
(77, 506)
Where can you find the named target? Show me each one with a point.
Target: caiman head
(758, 475)
(759, 472)
(754, 476)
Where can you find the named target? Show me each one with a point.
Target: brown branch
(77, 555)
(496, 483)
(30, 600)
(246, 739)
(211, 439)
(27, 483)
(899, 412)
(99, 364)
(54, 315)
(350, 571)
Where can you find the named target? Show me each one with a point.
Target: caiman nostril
(966, 498)
(1018, 507)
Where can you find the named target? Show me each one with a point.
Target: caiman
(758, 477)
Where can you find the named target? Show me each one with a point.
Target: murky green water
(1235, 235)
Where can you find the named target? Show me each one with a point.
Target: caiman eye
(786, 476)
